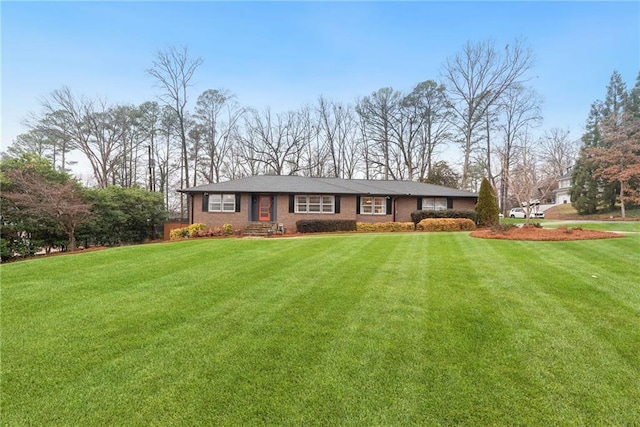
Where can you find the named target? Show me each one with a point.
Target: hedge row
(199, 229)
(428, 224)
(325, 225)
(446, 224)
(417, 216)
(385, 226)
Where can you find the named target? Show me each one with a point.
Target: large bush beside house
(487, 206)
(325, 225)
(417, 216)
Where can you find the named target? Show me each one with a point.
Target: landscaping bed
(530, 232)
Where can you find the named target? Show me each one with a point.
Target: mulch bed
(545, 234)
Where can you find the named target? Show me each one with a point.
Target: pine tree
(633, 100)
(589, 192)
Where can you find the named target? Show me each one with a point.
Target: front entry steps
(261, 228)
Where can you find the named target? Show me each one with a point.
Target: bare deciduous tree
(475, 80)
(278, 142)
(378, 113)
(519, 110)
(218, 113)
(557, 152)
(173, 70)
(523, 179)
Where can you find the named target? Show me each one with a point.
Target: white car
(519, 213)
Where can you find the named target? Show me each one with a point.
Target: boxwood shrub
(446, 224)
(325, 225)
(417, 216)
(385, 226)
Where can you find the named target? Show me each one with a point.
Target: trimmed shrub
(179, 233)
(194, 230)
(417, 216)
(215, 231)
(487, 206)
(384, 226)
(198, 226)
(325, 225)
(227, 229)
(446, 224)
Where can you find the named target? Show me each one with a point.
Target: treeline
(481, 106)
(45, 209)
(607, 170)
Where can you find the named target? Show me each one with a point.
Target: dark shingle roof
(305, 185)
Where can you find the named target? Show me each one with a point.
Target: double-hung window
(434, 203)
(315, 203)
(373, 205)
(222, 202)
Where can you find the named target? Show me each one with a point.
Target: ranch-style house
(280, 201)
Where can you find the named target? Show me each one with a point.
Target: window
(373, 205)
(222, 202)
(314, 203)
(434, 203)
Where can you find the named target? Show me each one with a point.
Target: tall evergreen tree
(633, 100)
(487, 206)
(588, 193)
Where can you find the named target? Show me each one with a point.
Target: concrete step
(259, 229)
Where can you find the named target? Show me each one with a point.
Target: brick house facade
(283, 200)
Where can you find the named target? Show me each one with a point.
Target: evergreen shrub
(198, 226)
(325, 225)
(487, 206)
(417, 216)
(384, 226)
(446, 224)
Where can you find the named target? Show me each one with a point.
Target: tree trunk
(622, 209)
(72, 239)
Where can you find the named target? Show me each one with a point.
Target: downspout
(395, 199)
(192, 208)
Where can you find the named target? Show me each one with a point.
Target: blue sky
(286, 54)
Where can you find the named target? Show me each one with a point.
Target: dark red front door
(264, 208)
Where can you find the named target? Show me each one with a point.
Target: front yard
(353, 329)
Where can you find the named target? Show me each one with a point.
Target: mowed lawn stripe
(586, 327)
(412, 328)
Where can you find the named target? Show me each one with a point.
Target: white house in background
(563, 194)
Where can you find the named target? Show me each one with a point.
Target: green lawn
(353, 329)
(623, 226)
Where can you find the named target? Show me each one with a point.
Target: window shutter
(337, 204)
(449, 202)
(358, 205)
(205, 202)
(419, 203)
(238, 202)
(292, 203)
(389, 206)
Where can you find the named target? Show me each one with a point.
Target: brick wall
(217, 219)
(347, 211)
(464, 204)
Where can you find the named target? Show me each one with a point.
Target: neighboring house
(283, 200)
(563, 192)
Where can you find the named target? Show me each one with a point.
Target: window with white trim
(373, 205)
(434, 203)
(315, 203)
(222, 202)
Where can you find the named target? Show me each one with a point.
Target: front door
(264, 208)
